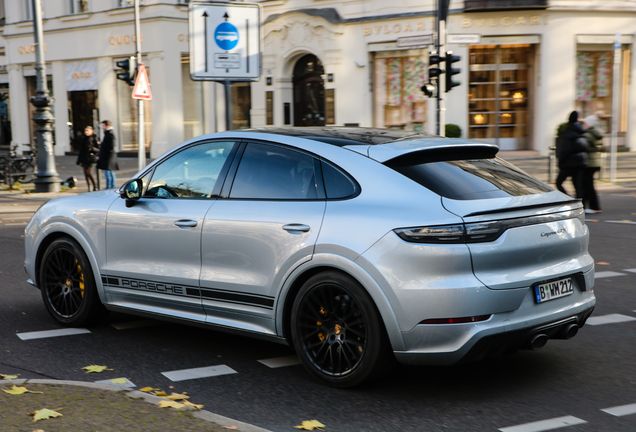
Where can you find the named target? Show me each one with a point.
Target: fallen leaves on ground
(148, 389)
(310, 425)
(15, 390)
(44, 414)
(602, 263)
(230, 427)
(9, 377)
(171, 404)
(176, 396)
(95, 368)
(119, 381)
(190, 404)
(170, 400)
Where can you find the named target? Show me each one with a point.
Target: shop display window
(192, 95)
(398, 77)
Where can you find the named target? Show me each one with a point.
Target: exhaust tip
(570, 331)
(537, 341)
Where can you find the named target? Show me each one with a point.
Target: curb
(149, 398)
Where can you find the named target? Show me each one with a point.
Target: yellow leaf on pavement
(230, 427)
(176, 396)
(160, 393)
(44, 414)
(9, 377)
(147, 389)
(170, 404)
(15, 390)
(310, 425)
(95, 368)
(119, 381)
(190, 404)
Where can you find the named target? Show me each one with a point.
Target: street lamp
(47, 179)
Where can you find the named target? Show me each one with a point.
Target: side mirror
(131, 191)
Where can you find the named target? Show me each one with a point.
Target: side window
(191, 173)
(271, 172)
(337, 184)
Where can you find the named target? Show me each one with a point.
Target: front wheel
(68, 285)
(338, 332)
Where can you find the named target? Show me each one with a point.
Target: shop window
(192, 95)
(499, 95)
(79, 6)
(241, 103)
(399, 102)
(5, 115)
(594, 84)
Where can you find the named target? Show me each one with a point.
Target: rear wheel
(68, 285)
(338, 332)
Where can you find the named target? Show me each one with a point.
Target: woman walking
(571, 155)
(594, 147)
(86, 157)
(108, 155)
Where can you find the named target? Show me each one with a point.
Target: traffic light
(434, 61)
(429, 89)
(128, 66)
(450, 71)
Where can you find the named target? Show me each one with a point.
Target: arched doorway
(309, 92)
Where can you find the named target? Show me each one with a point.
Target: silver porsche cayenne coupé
(354, 245)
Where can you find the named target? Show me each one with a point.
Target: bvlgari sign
(81, 75)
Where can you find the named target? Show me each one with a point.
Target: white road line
(52, 333)
(630, 270)
(545, 425)
(10, 224)
(126, 384)
(622, 410)
(609, 319)
(16, 217)
(196, 373)
(280, 362)
(134, 324)
(607, 274)
(622, 222)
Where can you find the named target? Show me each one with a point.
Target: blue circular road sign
(226, 36)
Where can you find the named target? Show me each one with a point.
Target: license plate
(553, 290)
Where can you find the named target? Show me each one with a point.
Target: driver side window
(191, 173)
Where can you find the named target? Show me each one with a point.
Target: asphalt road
(565, 383)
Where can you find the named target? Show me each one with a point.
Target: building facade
(529, 63)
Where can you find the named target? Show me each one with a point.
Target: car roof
(385, 145)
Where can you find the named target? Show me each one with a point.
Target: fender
(352, 268)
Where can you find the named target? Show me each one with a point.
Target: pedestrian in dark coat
(89, 147)
(107, 160)
(571, 155)
(594, 148)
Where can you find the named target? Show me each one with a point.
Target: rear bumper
(503, 333)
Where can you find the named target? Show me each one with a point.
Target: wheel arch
(56, 231)
(321, 263)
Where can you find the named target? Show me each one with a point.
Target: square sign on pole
(225, 41)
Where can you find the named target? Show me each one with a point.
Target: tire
(337, 331)
(68, 286)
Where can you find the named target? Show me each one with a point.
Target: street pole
(440, 46)
(141, 139)
(615, 90)
(47, 179)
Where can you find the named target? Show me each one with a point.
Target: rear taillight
(478, 232)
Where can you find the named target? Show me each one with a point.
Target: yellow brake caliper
(321, 335)
(79, 269)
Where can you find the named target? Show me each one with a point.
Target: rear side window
(337, 184)
(473, 179)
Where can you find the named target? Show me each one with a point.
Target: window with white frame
(79, 6)
(28, 11)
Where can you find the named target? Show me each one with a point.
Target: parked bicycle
(17, 169)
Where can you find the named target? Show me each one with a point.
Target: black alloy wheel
(67, 284)
(338, 332)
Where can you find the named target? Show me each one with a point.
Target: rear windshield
(473, 179)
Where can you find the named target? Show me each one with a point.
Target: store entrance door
(83, 111)
(309, 92)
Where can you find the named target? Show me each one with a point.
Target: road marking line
(630, 270)
(134, 324)
(52, 333)
(607, 274)
(609, 319)
(621, 410)
(622, 222)
(127, 384)
(16, 217)
(9, 224)
(545, 425)
(280, 362)
(196, 373)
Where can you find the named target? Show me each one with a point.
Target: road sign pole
(141, 139)
(228, 112)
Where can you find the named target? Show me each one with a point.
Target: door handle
(296, 227)
(185, 223)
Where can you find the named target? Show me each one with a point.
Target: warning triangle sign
(141, 90)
